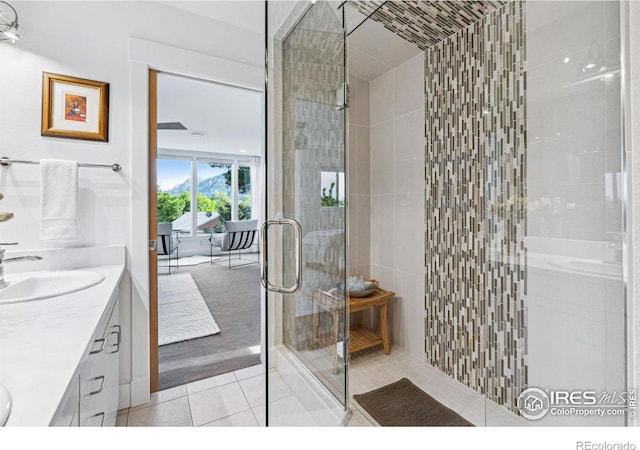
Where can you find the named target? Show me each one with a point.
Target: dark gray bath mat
(404, 404)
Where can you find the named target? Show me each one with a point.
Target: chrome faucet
(3, 260)
(4, 217)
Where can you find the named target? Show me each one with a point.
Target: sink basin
(5, 405)
(29, 286)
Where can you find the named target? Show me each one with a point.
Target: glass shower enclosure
(304, 239)
(524, 290)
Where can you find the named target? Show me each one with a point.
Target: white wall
(93, 45)
(92, 40)
(397, 197)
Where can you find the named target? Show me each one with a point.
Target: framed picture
(74, 108)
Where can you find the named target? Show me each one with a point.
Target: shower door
(304, 265)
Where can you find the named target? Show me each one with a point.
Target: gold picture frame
(74, 108)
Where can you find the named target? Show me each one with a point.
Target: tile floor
(371, 368)
(231, 399)
(237, 398)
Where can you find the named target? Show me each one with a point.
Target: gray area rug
(406, 405)
(234, 297)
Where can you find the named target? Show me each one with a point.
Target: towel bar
(4, 161)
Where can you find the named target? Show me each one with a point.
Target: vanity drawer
(99, 377)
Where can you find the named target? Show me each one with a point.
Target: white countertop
(43, 342)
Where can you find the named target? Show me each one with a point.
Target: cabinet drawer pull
(102, 379)
(119, 334)
(102, 342)
(102, 415)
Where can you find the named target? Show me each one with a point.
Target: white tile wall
(397, 197)
(408, 83)
(573, 118)
(363, 169)
(576, 325)
(386, 280)
(383, 231)
(363, 232)
(408, 138)
(362, 100)
(408, 228)
(352, 157)
(358, 178)
(408, 312)
(382, 98)
(382, 157)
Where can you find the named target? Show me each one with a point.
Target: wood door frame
(153, 231)
(143, 55)
(153, 220)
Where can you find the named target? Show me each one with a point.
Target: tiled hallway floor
(238, 399)
(231, 399)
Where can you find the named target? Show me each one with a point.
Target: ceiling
(247, 14)
(425, 23)
(374, 50)
(218, 118)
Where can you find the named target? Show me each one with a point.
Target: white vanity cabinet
(98, 404)
(67, 413)
(92, 397)
(45, 345)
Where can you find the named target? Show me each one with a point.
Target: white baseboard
(124, 396)
(140, 392)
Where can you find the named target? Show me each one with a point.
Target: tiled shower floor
(237, 398)
(371, 369)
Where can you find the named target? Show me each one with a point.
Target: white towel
(58, 200)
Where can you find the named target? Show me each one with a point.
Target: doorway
(205, 151)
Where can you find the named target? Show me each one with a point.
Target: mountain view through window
(214, 194)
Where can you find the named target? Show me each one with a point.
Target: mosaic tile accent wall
(476, 321)
(426, 23)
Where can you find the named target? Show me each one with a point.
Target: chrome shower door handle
(297, 229)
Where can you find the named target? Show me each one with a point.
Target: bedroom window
(174, 193)
(198, 195)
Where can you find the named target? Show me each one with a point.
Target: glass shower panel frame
(307, 329)
(573, 323)
(311, 77)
